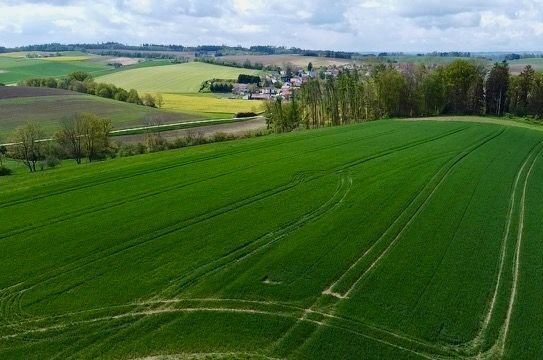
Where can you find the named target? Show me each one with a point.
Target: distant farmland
(48, 106)
(518, 65)
(14, 69)
(281, 60)
(210, 105)
(389, 240)
(181, 78)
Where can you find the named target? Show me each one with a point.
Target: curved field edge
(225, 250)
(520, 123)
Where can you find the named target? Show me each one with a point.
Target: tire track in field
(207, 356)
(404, 166)
(440, 178)
(158, 169)
(142, 240)
(205, 303)
(476, 343)
(517, 259)
(245, 252)
(142, 172)
(143, 313)
(113, 204)
(406, 146)
(498, 350)
(470, 350)
(253, 247)
(395, 149)
(386, 153)
(447, 168)
(450, 243)
(157, 302)
(340, 170)
(144, 195)
(168, 230)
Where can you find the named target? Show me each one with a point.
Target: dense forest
(460, 88)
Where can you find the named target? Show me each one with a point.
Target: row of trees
(247, 64)
(248, 79)
(83, 82)
(460, 88)
(175, 57)
(217, 86)
(84, 135)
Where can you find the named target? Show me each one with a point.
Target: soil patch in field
(10, 92)
(124, 61)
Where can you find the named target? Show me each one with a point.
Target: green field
(180, 78)
(13, 70)
(49, 110)
(389, 240)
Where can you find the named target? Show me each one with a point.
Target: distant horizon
(344, 25)
(247, 46)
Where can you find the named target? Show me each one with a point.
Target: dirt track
(234, 128)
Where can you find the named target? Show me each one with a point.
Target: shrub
(52, 161)
(221, 136)
(4, 171)
(180, 143)
(246, 114)
(127, 150)
(149, 100)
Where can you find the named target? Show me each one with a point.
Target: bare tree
(28, 145)
(71, 136)
(153, 138)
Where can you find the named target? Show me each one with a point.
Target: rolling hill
(388, 240)
(14, 69)
(179, 78)
(47, 107)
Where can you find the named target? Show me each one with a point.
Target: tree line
(247, 64)
(83, 82)
(217, 86)
(249, 79)
(88, 136)
(84, 135)
(157, 55)
(460, 88)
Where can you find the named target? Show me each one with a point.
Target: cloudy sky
(356, 25)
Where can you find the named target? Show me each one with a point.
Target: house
(296, 81)
(240, 89)
(261, 96)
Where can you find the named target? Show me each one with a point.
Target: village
(282, 84)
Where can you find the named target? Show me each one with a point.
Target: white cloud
(358, 25)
